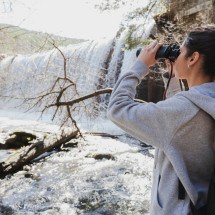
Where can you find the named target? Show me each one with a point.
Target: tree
(60, 97)
(28, 153)
(57, 99)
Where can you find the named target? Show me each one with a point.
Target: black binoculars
(170, 52)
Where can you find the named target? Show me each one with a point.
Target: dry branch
(74, 101)
(101, 134)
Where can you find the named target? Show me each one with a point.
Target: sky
(69, 18)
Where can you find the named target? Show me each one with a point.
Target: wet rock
(68, 200)
(28, 175)
(89, 204)
(101, 156)
(6, 210)
(49, 189)
(71, 144)
(101, 202)
(46, 209)
(18, 139)
(32, 176)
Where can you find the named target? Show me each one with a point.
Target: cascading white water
(35, 73)
(91, 65)
(28, 76)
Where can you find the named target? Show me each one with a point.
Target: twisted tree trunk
(28, 153)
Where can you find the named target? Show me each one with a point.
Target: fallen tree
(26, 154)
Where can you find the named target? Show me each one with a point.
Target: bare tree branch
(72, 102)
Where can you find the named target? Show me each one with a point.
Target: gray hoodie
(181, 129)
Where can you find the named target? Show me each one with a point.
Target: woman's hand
(147, 54)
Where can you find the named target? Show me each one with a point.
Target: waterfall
(34, 73)
(26, 76)
(91, 65)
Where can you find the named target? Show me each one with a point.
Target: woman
(181, 128)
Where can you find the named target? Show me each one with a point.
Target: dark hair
(202, 40)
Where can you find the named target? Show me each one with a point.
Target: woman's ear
(194, 58)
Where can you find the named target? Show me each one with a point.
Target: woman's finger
(156, 47)
(154, 44)
(151, 45)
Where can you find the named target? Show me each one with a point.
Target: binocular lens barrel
(170, 52)
(138, 52)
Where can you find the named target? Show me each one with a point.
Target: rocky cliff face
(192, 10)
(182, 15)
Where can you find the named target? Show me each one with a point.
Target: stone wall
(192, 11)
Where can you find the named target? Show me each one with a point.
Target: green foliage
(132, 41)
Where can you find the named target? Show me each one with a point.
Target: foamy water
(74, 182)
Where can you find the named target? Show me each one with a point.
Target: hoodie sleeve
(154, 124)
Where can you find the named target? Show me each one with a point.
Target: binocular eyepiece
(170, 52)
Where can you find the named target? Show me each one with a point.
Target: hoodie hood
(203, 96)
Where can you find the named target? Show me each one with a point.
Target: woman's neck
(198, 80)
